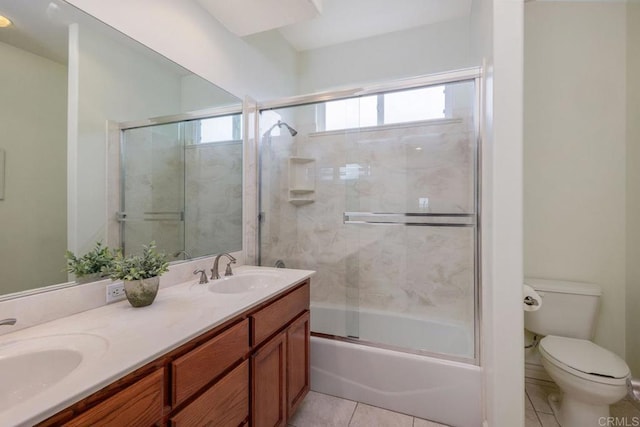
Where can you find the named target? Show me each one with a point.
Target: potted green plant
(140, 274)
(91, 266)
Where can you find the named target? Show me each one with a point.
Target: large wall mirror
(66, 78)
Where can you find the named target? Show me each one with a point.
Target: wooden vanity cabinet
(298, 362)
(280, 365)
(253, 370)
(226, 403)
(269, 384)
(192, 371)
(140, 404)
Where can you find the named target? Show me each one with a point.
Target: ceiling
(311, 24)
(38, 27)
(42, 28)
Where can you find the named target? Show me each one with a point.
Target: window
(351, 113)
(413, 105)
(376, 110)
(218, 129)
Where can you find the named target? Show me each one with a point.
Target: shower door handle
(151, 216)
(411, 219)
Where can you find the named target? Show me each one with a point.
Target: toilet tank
(568, 309)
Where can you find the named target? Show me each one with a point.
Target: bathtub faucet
(227, 272)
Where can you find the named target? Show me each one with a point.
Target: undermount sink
(244, 282)
(29, 367)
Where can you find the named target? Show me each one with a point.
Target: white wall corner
(503, 319)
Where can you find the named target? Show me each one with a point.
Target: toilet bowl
(590, 377)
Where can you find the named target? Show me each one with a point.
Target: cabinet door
(200, 366)
(224, 404)
(297, 362)
(273, 317)
(140, 404)
(268, 385)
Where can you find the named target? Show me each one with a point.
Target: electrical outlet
(115, 292)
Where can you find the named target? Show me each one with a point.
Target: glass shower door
(410, 223)
(153, 188)
(378, 195)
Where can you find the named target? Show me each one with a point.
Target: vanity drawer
(273, 317)
(224, 404)
(198, 367)
(140, 404)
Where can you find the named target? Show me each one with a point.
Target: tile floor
(538, 413)
(322, 410)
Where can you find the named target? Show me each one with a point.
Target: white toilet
(590, 377)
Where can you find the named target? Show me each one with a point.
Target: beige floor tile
(538, 395)
(539, 382)
(322, 410)
(548, 420)
(530, 417)
(370, 416)
(624, 410)
(419, 422)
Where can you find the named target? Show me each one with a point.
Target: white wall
(184, 32)
(33, 212)
(429, 49)
(498, 39)
(200, 94)
(633, 188)
(574, 204)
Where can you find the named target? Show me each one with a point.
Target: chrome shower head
(280, 123)
(292, 131)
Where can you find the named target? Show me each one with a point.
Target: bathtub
(427, 387)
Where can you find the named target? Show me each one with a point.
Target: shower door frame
(116, 131)
(468, 74)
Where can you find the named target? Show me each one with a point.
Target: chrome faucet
(9, 321)
(227, 272)
(203, 276)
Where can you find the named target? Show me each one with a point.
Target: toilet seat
(584, 359)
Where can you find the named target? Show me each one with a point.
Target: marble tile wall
(250, 176)
(422, 271)
(202, 180)
(213, 208)
(154, 182)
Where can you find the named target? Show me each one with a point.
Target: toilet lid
(585, 356)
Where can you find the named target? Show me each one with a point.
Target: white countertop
(133, 337)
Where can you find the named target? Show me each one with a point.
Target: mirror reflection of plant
(95, 262)
(136, 267)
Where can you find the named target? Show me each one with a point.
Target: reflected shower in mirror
(182, 186)
(54, 118)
